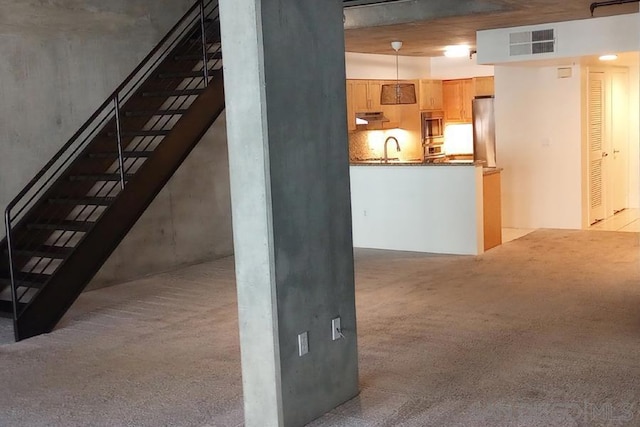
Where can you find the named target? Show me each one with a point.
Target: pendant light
(398, 93)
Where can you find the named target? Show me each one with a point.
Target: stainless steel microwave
(432, 126)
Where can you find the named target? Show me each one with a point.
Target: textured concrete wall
(288, 149)
(60, 60)
(189, 221)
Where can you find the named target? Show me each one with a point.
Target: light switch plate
(336, 329)
(303, 344)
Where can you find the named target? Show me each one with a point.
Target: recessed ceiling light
(458, 51)
(608, 57)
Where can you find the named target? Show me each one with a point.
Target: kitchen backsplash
(458, 139)
(369, 144)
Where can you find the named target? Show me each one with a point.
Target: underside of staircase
(64, 225)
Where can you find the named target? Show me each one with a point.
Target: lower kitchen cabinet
(492, 209)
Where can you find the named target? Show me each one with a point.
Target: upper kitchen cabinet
(365, 95)
(360, 98)
(431, 97)
(351, 114)
(457, 96)
(484, 86)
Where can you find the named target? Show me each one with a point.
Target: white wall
(538, 138)
(368, 66)
(593, 36)
(435, 209)
(443, 68)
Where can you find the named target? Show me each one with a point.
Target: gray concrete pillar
(288, 150)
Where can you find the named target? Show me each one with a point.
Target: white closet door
(596, 135)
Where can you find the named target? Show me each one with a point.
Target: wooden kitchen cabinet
(365, 95)
(484, 86)
(431, 97)
(374, 89)
(362, 96)
(492, 207)
(452, 94)
(458, 96)
(468, 93)
(351, 114)
(359, 94)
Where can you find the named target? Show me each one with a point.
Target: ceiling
(450, 22)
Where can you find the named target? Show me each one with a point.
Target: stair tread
(177, 92)
(65, 225)
(114, 154)
(90, 201)
(197, 56)
(160, 132)
(184, 74)
(99, 177)
(31, 280)
(155, 112)
(45, 251)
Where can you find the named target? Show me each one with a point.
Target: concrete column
(288, 149)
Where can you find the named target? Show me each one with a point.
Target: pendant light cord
(397, 80)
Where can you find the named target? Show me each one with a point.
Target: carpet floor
(541, 331)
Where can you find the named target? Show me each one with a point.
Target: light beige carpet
(542, 331)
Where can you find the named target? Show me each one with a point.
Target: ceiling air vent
(532, 42)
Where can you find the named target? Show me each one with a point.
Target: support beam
(288, 149)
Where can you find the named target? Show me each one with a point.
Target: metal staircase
(71, 216)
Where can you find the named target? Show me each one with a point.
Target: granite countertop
(491, 171)
(415, 163)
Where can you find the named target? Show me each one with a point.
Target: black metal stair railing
(43, 224)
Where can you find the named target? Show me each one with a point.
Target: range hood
(375, 117)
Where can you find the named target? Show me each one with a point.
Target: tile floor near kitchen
(625, 220)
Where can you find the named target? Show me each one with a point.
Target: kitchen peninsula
(420, 207)
(414, 184)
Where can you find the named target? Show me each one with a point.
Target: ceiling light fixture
(459, 51)
(398, 93)
(610, 57)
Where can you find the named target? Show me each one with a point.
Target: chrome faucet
(386, 158)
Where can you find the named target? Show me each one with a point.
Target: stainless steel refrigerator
(484, 131)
